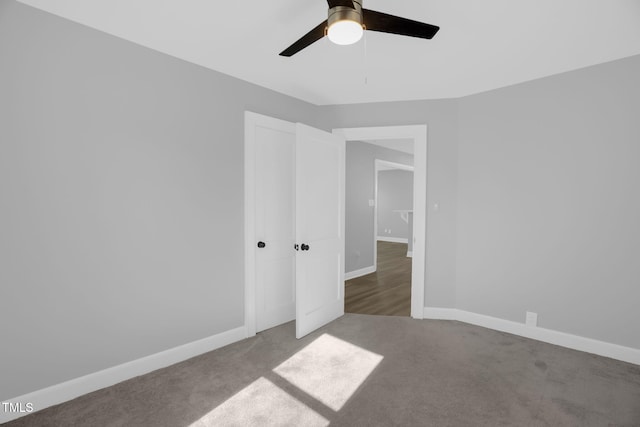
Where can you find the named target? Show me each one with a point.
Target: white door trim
(378, 166)
(419, 135)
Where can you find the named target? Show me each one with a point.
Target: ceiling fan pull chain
(366, 68)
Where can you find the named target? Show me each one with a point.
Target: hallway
(386, 292)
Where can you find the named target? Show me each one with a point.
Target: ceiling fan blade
(308, 39)
(378, 21)
(345, 3)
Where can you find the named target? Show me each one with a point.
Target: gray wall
(395, 191)
(549, 204)
(359, 189)
(121, 199)
(442, 164)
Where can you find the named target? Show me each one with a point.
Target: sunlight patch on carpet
(329, 369)
(262, 403)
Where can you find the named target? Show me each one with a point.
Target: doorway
(393, 204)
(332, 293)
(378, 231)
(417, 134)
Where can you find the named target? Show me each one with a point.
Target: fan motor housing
(342, 13)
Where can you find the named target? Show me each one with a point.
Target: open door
(320, 158)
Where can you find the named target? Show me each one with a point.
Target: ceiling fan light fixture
(345, 32)
(347, 21)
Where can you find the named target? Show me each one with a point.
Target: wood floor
(386, 292)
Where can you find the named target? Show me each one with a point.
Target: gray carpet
(370, 371)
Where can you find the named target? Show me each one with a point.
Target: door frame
(377, 168)
(419, 135)
(416, 132)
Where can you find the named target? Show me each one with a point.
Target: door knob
(304, 247)
(261, 245)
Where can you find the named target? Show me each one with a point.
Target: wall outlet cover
(531, 319)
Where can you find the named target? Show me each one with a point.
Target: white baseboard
(68, 390)
(409, 254)
(393, 239)
(357, 273)
(563, 339)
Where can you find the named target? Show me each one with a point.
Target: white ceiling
(482, 45)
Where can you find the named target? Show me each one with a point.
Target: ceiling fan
(348, 20)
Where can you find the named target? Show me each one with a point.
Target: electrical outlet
(531, 319)
(389, 231)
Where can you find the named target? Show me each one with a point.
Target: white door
(274, 221)
(320, 160)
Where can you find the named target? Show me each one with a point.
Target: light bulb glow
(345, 32)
